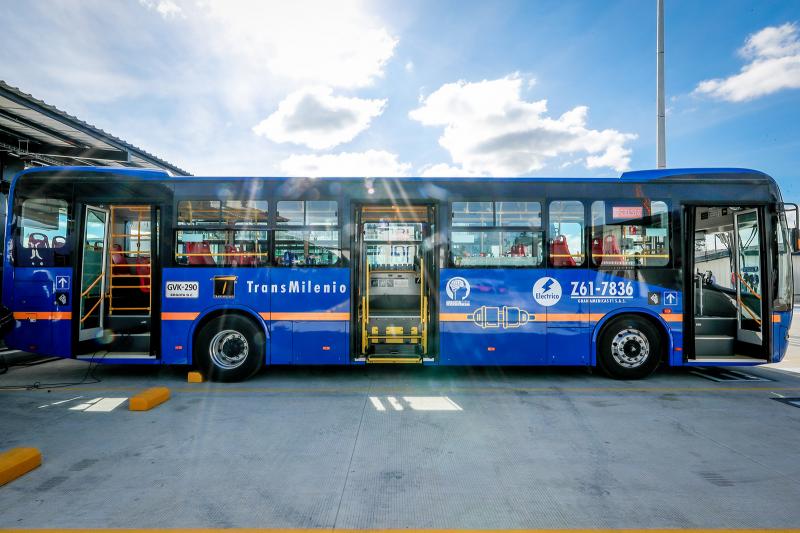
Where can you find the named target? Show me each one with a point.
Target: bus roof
(631, 176)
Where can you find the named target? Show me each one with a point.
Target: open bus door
(726, 305)
(91, 319)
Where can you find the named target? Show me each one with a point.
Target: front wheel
(229, 348)
(630, 348)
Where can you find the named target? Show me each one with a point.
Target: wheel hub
(630, 348)
(228, 349)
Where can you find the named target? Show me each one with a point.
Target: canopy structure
(34, 133)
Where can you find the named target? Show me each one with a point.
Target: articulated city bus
(665, 267)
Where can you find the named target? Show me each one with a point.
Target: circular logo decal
(456, 285)
(547, 291)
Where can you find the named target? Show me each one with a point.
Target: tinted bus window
(44, 227)
(308, 234)
(519, 214)
(472, 214)
(566, 234)
(307, 213)
(630, 233)
(496, 234)
(222, 233)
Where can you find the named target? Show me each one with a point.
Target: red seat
(59, 241)
(560, 255)
(517, 250)
(143, 270)
(200, 253)
(117, 257)
(612, 255)
(597, 251)
(38, 240)
(230, 258)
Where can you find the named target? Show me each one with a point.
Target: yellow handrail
(90, 287)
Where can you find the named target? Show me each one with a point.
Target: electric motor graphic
(500, 317)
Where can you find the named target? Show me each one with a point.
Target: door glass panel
(92, 286)
(748, 274)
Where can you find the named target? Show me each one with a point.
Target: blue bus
(661, 267)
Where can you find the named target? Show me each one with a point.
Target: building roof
(44, 135)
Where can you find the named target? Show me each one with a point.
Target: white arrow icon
(670, 298)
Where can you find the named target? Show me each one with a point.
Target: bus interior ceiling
(727, 283)
(392, 282)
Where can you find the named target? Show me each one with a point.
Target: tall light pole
(661, 142)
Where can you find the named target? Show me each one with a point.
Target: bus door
(727, 281)
(748, 277)
(394, 262)
(117, 278)
(93, 273)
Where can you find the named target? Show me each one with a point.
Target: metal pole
(661, 142)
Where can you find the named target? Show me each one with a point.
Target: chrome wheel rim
(228, 349)
(630, 348)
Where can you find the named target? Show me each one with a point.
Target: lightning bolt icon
(547, 285)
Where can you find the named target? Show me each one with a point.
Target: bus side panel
(653, 292)
(489, 317)
(188, 293)
(781, 321)
(42, 324)
(310, 315)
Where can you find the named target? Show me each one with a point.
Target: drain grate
(794, 402)
(724, 374)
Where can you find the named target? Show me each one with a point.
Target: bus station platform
(389, 447)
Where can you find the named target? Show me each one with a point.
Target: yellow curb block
(146, 400)
(194, 377)
(18, 461)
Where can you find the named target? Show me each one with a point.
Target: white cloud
(490, 129)
(774, 55)
(443, 170)
(165, 8)
(339, 44)
(372, 163)
(316, 118)
(409, 66)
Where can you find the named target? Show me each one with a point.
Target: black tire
(623, 343)
(229, 348)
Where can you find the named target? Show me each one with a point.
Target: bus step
(372, 359)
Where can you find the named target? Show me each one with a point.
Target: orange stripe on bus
(305, 316)
(776, 318)
(179, 316)
(671, 317)
(42, 315)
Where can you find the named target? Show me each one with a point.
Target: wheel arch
(647, 314)
(213, 312)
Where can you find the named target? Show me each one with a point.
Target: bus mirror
(795, 239)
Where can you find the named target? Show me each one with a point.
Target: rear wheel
(630, 348)
(229, 348)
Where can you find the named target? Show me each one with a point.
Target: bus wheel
(630, 348)
(229, 348)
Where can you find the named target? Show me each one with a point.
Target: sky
(430, 88)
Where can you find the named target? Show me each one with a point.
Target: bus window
(784, 294)
(496, 234)
(229, 233)
(309, 235)
(519, 214)
(630, 233)
(44, 227)
(566, 234)
(473, 214)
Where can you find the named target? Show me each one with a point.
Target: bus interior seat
(38, 240)
(611, 250)
(200, 253)
(117, 257)
(559, 253)
(59, 241)
(597, 251)
(143, 270)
